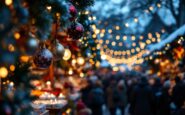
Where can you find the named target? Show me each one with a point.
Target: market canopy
(169, 39)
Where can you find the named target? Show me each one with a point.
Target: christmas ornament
(32, 45)
(43, 58)
(75, 31)
(58, 51)
(67, 54)
(73, 12)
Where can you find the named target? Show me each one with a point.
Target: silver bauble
(58, 51)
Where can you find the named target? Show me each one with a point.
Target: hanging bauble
(73, 12)
(76, 31)
(32, 45)
(67, 54)
(58, 51)
(43, 58)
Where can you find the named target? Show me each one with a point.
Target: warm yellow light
(150, 35)
(103, 57)
(86, 12)
(133, 44)
(24, 58)
(11, 48)
(82, 75)
(158, 35)
(113, 43)
(48, 83)
(151, 8)
(124, 38)
(11, 84)
(12, 67)
(94, 18)
(120, 44)
(157, 61)
(17, 35)
(90, 18)
(93, 48)
(115, 53)
(110, 31)
(107, 41)
(158, 73)
(123, 53)
(153, 40)
(117, 27)
(94, 35)
(97, 31)
(67, 54)
(98, 46)
(128, 52)
(133, 50)
(58, 14)
(158, 5)
(103, 31)
(115, 68)
(158, 40)
(70, 72)
(93, 27)
(102, 35)
(148, 41)
(133, 38)
(49, 8)
(117, 37)
(135, 20)
(8, 2)
(73, 62)
(3, 72)
(141, 37)
(138, 49)
(101, 41)
(80, 60)
(98, 64)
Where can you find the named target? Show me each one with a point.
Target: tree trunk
(181, 13)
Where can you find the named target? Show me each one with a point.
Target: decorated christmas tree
(40, 35)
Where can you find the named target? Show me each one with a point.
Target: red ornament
(73, 12)
(76, 31)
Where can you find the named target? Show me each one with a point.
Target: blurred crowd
(140, 95)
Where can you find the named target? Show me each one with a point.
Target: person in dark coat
(131, 85)
(165, 100)
(178, 93)
(122, 102)
(85, 93)
(157, 92)
(142, 99)
(96, 98)
(112, 96)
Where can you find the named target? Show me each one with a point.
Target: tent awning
(169, 39)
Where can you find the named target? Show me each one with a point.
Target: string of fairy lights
(125, 49)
